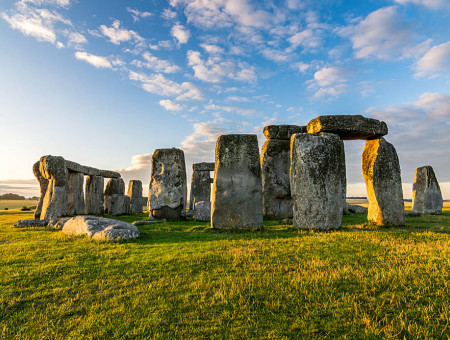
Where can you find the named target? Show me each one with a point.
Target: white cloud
(137, 14)
(300, 66)
(242, 111)
(434, 4)
(160, 85)
(383, 34)
(330, 81)
(168, 14)
(436, 104)
(307, 38)
(170, 105)
(215, 68)
(60, 3)
(435, 62)
(212, 49)
(163, 44)
(94, 60)
(156, 64)
(118, 35)
(180, 33)
(276, 55)
(75, 39)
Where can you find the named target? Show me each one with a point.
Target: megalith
(135, 195)
(427, 196)
(275, 165)
(167, 195)
(94, 195)
(200, 183)
(43, 185)
(381, 171)
(237, 187)
(316, 180)
(114, 198)
(75, 203)
(54, 204)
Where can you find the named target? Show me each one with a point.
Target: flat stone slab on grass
(30, 223)
(100, 228)
(348, 127)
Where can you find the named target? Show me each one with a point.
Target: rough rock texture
(114, 199)
(168, 191)
(237, 188)
(75, 201)
(316, 183)
(100, 228)
(30, 223)
(58, 223)
(343, 177)
(203, 211)
(200, 187)
(275, 165)
(381, 171)
(43, 185)
(54, 204)
(89, 171)
(204, 166)
(94, 195)
(348, 126)
(427, 196)
(356, 209)
(137, 223)
(282, 131)
(135, 195)
(190, 213)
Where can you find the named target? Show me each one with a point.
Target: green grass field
(184, 280)
(14, 204)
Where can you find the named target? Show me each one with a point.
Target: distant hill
(11, 196)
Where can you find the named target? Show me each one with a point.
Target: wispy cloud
(94, 60)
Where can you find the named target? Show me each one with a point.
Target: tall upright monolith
(237, 187)
(427, 196)
(135, 195)
(94, 195)
(43, 185)
(75, 202)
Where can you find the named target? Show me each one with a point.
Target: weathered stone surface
(427, 196)
(204, 166)
(54, 168)
(282, 131)
(381, 171)
(348, 126)
(275, 165)
(343, 176)
(89, 171)
(30, 223)
(43, 185)
(168, 191)
(114, 199)
(135, 195)
(58, 224)
(203, 211)
(237, 188)
(100, 228)
(190, 213)
(356, 209)
(94, 195)
(288, 221)
(75, 202)
(316, 183)
(137, 223)
(200, 188)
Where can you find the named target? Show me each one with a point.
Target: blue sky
(105, 83)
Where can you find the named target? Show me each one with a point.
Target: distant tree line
(15, 197)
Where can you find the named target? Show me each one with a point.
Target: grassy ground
(184, 280)
(14, 204)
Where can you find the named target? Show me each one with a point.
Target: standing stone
(316, 180)
(237, 188)
(54, 204)
(343, 177)
(114, 199)
(427, 196)
(275, 165)
(43, 185)
(200, 184)
(135, 195)
(167, 195)
(381, 171)
(75, 204)
(94, 195)
(203, 211)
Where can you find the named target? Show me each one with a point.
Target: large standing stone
(94, 195)
(427, 196)
(135, 195)
(75, 204)
(343, 177)
(237, 188)
(100, 228)
(203, 211)
(114, 199)
(381, 171)
(282, 131)
(348, 126)
(168, 191)
(316, 180)
(54, 204)
(200, 187)
(43, 185)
